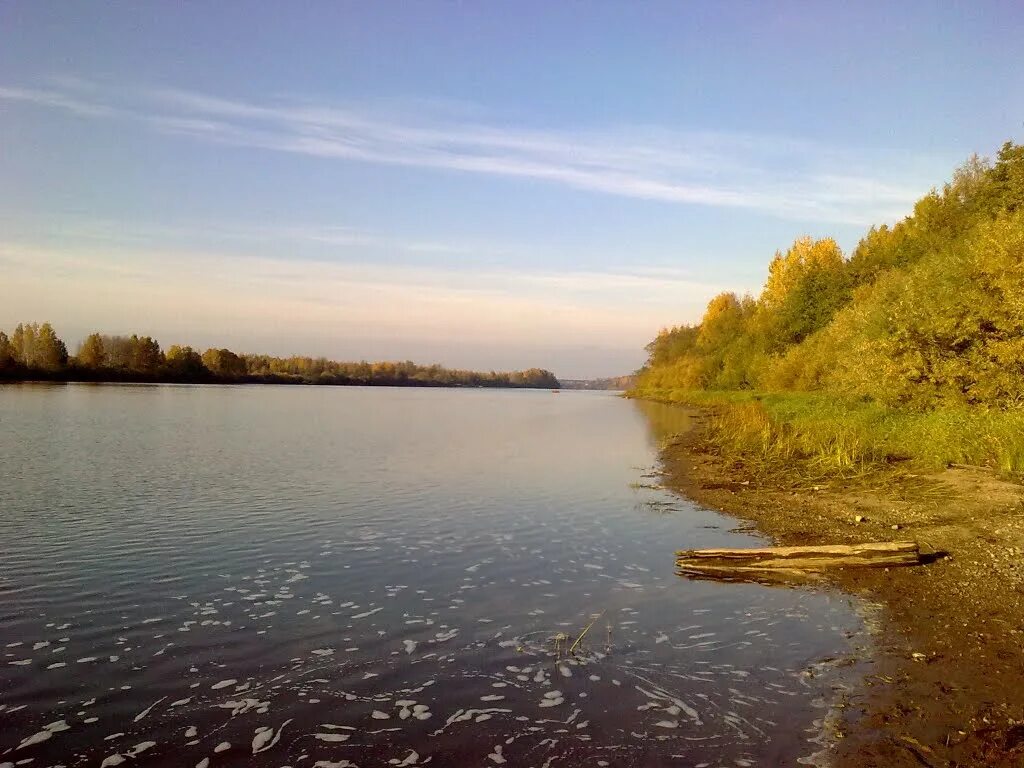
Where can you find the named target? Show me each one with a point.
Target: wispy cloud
(342, 242)
(779, 177)
(59, 100)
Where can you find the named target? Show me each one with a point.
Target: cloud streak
(782, 178)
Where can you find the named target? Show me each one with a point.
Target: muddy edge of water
(945, 686)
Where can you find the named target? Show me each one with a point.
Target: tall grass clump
(802, 436)
(815, 436)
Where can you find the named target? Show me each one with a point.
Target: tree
(949, 330)
(1005, 189)
(722, 322)
(136, 354)
(6, 352)
(805, 288)
(38, 347)
(51, 352)
(672, 344)
(146, 356)
(224, 363)
(91, 353)
(23, 344)
(186, 363)
(119, 351)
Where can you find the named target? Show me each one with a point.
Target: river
(332, 576)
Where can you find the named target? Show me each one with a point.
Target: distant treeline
(34, 352)
(612, 382)
(925, 314)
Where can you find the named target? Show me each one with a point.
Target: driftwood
(794, 561)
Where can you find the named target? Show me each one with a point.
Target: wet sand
(946, 684)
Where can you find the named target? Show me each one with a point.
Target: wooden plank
(830, 550)
(760, 575)
(799, 559)
(807, 563)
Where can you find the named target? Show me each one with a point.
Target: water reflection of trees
(663, 420)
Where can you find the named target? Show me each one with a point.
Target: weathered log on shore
(796, 560)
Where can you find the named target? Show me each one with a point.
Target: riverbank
(946, 687)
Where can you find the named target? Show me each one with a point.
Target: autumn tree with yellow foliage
(924, 313)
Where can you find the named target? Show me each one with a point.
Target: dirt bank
(947, 685)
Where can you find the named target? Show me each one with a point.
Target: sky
(488, 185)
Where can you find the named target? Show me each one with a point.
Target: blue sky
(487, 185)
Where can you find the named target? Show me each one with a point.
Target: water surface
(317, 576)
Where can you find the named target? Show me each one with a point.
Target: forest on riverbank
(33, 351)
(910, 348)
(609, 382)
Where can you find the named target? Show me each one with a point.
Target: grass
(827, 437)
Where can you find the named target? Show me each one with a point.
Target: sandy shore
(946, 686)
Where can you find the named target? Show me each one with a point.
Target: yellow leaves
(927, 313)
(804, 257)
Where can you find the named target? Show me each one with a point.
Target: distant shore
(66, 377)
(947, 682)
(34, 351)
